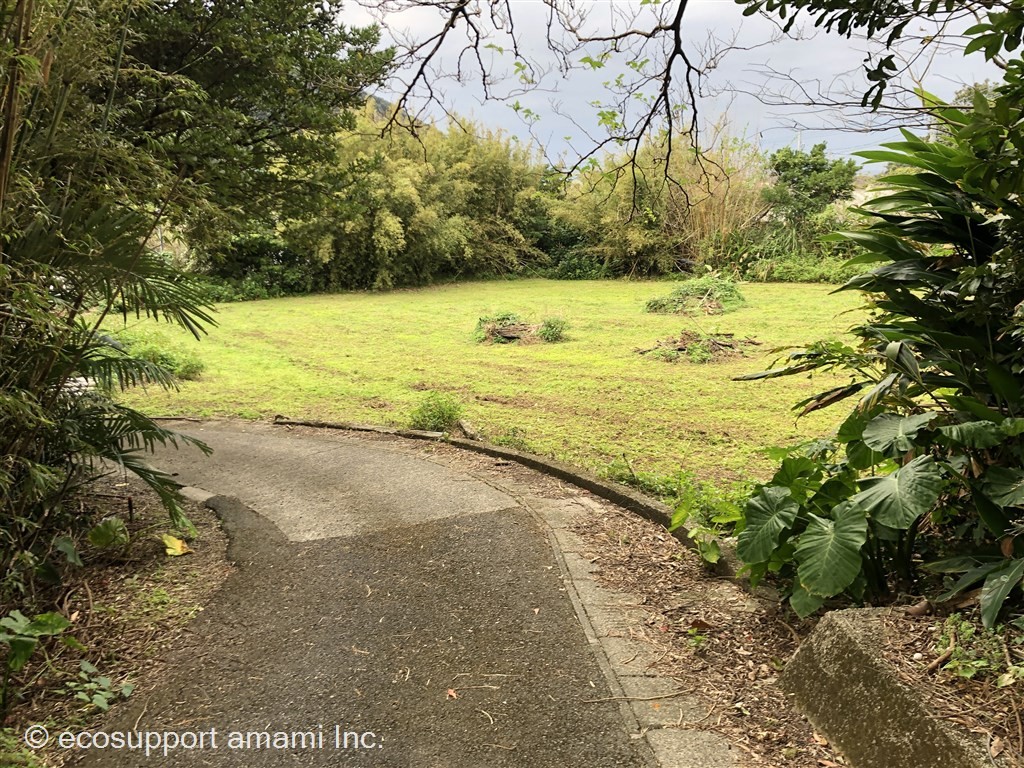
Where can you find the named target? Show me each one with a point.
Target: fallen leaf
(920, 609)
(998, 745)
(1006, 546)
(174, 546)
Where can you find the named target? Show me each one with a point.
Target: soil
(126, 607)
(913, 646)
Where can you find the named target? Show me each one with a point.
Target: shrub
(801, 268)
(437, 412)
(578, 265)
(713, 293)
(153, 347)
(553, 329)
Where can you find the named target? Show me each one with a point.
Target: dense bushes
(260, 266)
(921, 489)
(451, 204)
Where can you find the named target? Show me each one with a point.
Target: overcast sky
(564, 103)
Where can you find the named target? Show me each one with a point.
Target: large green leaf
(804, 603)
(20, 651)
(974, 434)
(828, 553)
(1004, 486)
(891, 432)
(897, 500)
(770, 512)
(46, 624)
(997, 588)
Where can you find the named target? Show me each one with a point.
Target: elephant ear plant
(926, 473)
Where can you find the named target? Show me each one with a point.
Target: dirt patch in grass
(125, 608)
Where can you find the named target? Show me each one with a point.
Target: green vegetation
(437, 413)
(153, 345)
(553, 329)
(711, 294)
(928, 466)
(369, 357)
(449, 204)
(94, 689)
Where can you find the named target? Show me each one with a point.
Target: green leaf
(974, 434)
(828, 553)
(72, 642)
(897, 500)
(20, 652)
(66, 546)
(994, 518)
(804, 603)
(108, 534)
(969, 579)
(997, 588)
(46, 624)
(975, 407)
(769, 513)
(956, 564)
(891, 432)
(1004, 486)
(1004, 384)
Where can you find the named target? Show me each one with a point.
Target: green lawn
(370, 357)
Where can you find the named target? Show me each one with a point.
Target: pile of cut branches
(508, 327)
(698, 347)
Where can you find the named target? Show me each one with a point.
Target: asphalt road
(386, 611)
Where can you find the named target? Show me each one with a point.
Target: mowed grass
(370, 357)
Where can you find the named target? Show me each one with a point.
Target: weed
(13, 751)
(694, 638)
(322, 357)
(148, 343)
(21, 636)
(437, 412)
(553, 329)
(976, 651)
(95, 689)
(700, 352)
(487, 324)
(513, 437)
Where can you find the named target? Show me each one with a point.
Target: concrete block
(839, 680)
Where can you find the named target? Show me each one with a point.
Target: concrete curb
(618, 494)
(856, 700)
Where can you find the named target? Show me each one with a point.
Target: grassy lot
(589, 400)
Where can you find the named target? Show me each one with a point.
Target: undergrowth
(711, 294)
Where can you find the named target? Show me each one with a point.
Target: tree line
(459, 200)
